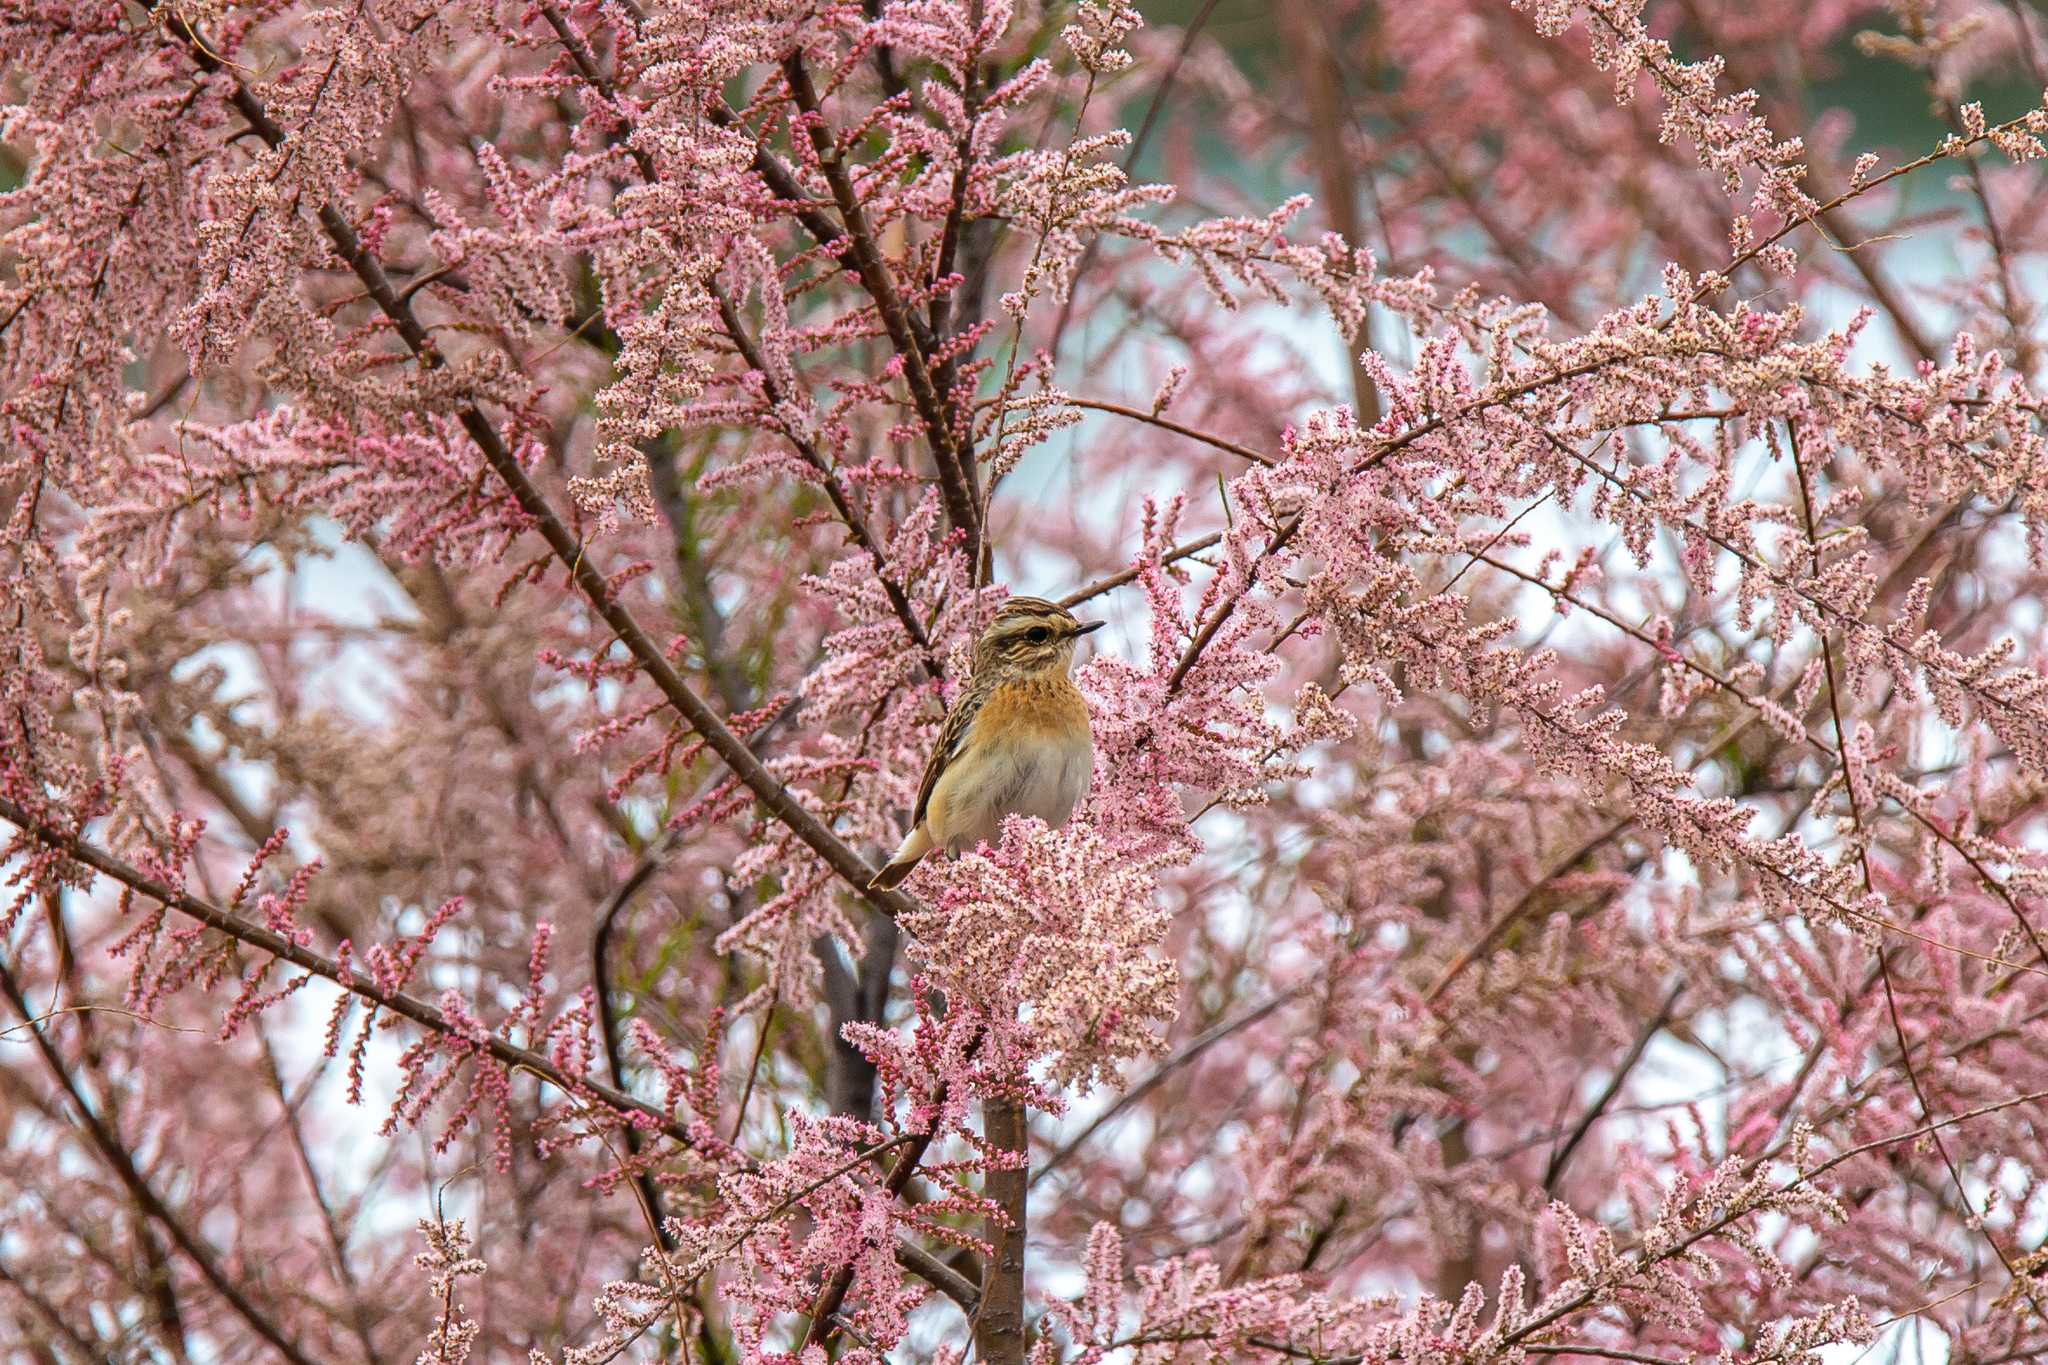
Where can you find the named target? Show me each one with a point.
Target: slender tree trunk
(999, 1336)
(1460, 1265)
(1319, 68)
(855, 998)
(672, 494)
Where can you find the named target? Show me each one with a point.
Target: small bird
(1015, 743)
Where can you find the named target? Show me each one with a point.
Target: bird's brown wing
(952, 735)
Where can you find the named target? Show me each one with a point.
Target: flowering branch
(284, 949)
(122, 1164)
(567, 547)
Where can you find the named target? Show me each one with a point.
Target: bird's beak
(1087, 626)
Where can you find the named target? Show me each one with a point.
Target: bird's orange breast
(1049, 706)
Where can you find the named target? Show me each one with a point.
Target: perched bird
(1015, 743)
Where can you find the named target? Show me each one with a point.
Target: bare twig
(934, 409)
(1562, 1157)
(1116, 580)
(1187, 1053)
(337, 1241)
(1154, 419)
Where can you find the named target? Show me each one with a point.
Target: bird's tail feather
(908, 855)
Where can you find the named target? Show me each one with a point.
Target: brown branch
(826, 1307)
(587, 67)
(947, 310)
(909, 1255)
(1523, 390)
(1599, 1352)
(956, 468)
(999, 1326)
(782, 182)
(1117, 580)
(48, 1311)
(780, 801)
(600, 962)
(854, 997)
(1856, 191)
(728, 745)
(1154, 419)
(2013, 303)
(608, 1022)
(856, 525)
(1229, 605)
(939, 1276)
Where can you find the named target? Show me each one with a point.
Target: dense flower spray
(500, 495)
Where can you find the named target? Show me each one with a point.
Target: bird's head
(1029, 636)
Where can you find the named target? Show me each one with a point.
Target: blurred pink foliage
(502, 493)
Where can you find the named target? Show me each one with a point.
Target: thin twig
(1563, 1155)
(1154, 419)
(1187, 1053)
(833, 1293)
(1224, 609)
(1117, 580)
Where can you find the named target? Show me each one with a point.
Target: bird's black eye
(1037, 635)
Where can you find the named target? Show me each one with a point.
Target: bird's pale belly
(1035, 775)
